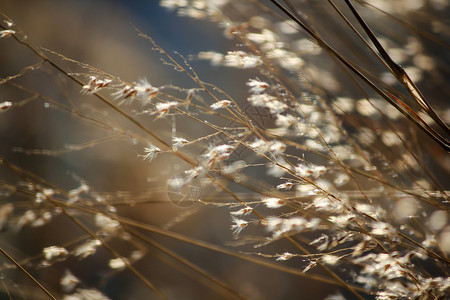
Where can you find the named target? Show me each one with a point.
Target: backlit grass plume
(307, 160)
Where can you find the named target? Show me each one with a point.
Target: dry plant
(317, 169)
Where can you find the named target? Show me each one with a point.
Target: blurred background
(101, 34)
